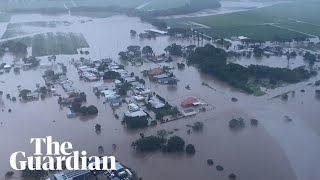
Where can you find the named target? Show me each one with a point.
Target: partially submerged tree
(210, 162)
(147, 50)
(34, 174)
(190, 149)
(197, 126)
(150, 143)
(174, 49)
(236, 123)
(175, 144)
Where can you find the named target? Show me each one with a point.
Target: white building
(156, 103)
(109, 94)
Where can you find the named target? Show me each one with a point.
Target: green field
(294, 20)
(57, 43)
(164, 4)
(258, 32)
(18, 29)
(309, 28)
(54, 43)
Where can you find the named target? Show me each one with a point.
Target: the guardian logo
(56, 154)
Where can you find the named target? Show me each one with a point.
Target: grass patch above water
(294, 20)
(258, 85)
(258, 32)
(312, 29)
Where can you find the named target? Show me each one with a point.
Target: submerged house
(107, 60)
(167, 80)
(139, 98)
(156, 103)
(139, 113)
(134, 111)
(190, 101)
(153, 72)
(32, 96)
(7, 67)
(130, 79)
(133, 107)
(115, 102)
(100, 87)
(109, 94)
(71, 114)
(189, 112)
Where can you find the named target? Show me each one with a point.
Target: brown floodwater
(276, 149)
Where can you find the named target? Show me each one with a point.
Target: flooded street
(276, 149)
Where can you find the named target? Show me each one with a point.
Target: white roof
(82, 67)
(100, 85)
(7, 66)
(108, 92)
(242, 37)
(156, 103)
(139, 98)
(135, 114)
(133, 106)
(157, 31)
(130, 79)
(121, 71)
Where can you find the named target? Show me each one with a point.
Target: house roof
(243, 38)
(108, 92)
(156, 71)
(156, 103)
(165, 79)
(135, 114)
(189, 101)
(115, 100)
(161, 76)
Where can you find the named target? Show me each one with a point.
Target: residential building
(108, 94)
(115, 102)
(156, 103)
(190, 101)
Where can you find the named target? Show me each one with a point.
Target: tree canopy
(213, 61)
(136, 122)
(175, 144)
(150, 143)
(174, 49)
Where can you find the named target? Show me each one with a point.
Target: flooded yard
(273, 150)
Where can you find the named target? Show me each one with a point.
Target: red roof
(188, 102)
(156, 71)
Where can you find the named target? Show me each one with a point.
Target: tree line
(213, 61)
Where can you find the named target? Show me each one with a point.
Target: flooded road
(276, 149)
